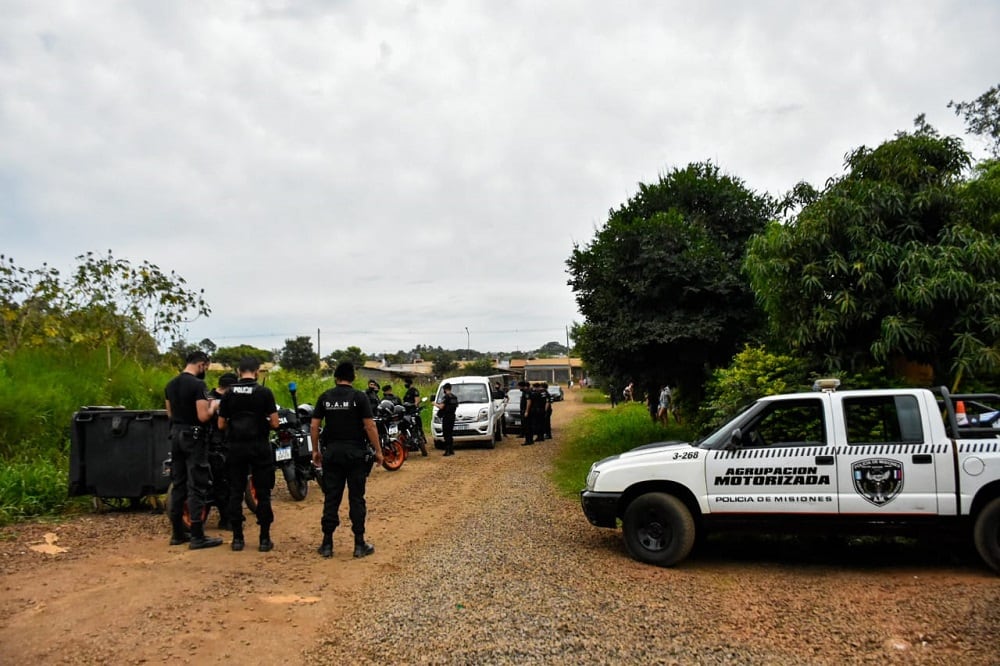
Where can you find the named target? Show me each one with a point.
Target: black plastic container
(115, 452)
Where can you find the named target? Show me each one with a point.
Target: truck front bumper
(601, 509)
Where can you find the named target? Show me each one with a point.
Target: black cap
(345, 371)
(227, 379)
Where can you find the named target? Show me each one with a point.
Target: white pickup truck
(864, 461)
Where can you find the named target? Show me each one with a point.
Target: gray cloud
(393, 174)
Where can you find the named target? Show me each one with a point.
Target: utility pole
(468, 345)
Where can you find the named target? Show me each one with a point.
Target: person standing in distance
(387, 394)
(412, 397)
(372, 393)
(349, 434)
(525, 416)
(247, 413)
(217, 450)
(189, 410)
(446, 410)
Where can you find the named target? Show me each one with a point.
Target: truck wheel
(986, 534)
(658, 529)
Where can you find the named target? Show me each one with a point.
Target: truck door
(783, 463)
(886, 466)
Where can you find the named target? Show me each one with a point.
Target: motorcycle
(292, 443)
(218, 495)
(387, 421)
(411, 428)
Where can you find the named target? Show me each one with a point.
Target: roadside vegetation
(600, 433)
(41, 389)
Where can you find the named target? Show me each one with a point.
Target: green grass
(600, 433)
(592, 396)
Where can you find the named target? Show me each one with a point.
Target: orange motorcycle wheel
(393, 455)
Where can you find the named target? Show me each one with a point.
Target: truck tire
(986, 534)
(658, 529)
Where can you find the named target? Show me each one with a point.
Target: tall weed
(600, 433)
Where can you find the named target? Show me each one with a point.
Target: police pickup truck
(863, 461)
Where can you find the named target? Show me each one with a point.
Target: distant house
(553, 370)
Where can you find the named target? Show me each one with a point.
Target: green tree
(106, 303)
(550, 349)
(982, 117)
(230, 356)
(479, 367)
(660, 285)
(111, 289)
(896, 260)
(352, 355)
(30, 305)
(298, 354)
(444, 363)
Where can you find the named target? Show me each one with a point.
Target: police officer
(247, 413)
(547, 417)
(525, 418)
(189, 409)
(412, 395)
(217, 450)
(446, 410)
(372, 393)
(387, 394)
(539, 401)
(349, 435)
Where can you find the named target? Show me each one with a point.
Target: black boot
(361, 549)
(238, 542)
(326, 548)
(179, 534)
(265, 539)
(199, 540)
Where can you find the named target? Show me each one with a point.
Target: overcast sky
(400, 173)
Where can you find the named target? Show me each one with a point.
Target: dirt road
(478, 561)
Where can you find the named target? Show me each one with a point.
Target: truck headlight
(592, 478)
(484, 414)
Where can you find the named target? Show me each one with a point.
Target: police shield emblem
(878, 480)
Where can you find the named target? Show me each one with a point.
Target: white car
(479, 417)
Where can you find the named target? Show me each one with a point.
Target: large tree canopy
(897, 259)
(660, 285)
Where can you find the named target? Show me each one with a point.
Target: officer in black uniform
(372, 393)
(247, 413)
(387, 394)
(217, 450)
(547, 418)
(446, 410)
(412, 395)
(349, 437)
(525, 420)
(539, 401)
(189, 410)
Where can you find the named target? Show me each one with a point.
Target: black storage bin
(115, 452)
